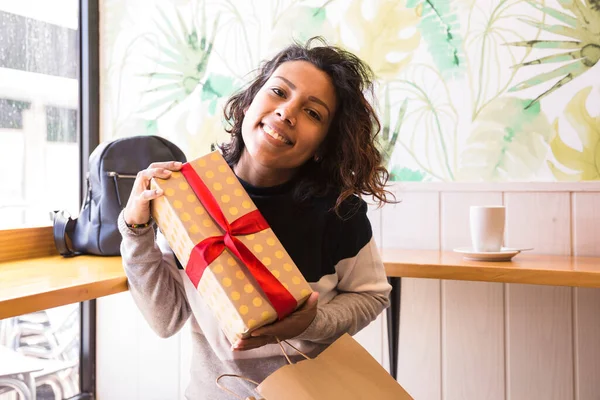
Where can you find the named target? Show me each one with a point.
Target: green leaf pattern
(440, 27)
(508, 143)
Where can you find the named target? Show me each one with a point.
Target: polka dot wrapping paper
(238, 295)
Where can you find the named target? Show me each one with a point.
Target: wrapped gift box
(229, 252)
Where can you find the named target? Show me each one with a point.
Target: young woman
(303, 145)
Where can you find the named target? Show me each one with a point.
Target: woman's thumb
(312, 300)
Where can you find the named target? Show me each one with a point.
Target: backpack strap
(63, 226)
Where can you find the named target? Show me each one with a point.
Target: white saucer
(505, 254)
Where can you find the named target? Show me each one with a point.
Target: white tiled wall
(458, 340)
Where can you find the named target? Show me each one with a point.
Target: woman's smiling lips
(274, 134)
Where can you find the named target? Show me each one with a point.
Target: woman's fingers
(144, 193)
(170, 165)
(151, 194)
(147, 174)
(253, 343)
(137, 210)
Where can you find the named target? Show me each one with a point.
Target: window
(61, 125)
(39, 101)
(44, 142)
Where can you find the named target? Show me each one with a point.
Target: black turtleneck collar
(283, 188)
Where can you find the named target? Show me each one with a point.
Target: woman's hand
(137, 210)
(288, 328)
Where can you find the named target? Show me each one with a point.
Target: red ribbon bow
(205, 252)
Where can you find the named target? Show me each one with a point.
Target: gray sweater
(350, 279)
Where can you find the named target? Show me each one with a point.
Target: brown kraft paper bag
(343, 371)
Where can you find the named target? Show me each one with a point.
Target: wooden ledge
(524, 268)
(40, 283)
(46, 282)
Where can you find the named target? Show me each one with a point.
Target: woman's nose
(287, 114)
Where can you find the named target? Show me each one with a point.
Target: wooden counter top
(524, 268)
(46, 282)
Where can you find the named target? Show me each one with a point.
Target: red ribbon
(205, 252)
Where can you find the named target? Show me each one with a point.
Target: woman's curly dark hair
(350, 161)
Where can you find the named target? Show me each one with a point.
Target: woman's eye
(278, 92)
(314, 114)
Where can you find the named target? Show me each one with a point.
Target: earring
(317, 158)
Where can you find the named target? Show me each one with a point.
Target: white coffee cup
(487, 227)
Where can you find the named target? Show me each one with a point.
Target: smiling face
(287, 120)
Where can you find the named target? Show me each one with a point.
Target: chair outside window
(39, 354)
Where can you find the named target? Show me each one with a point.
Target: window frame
(89, 134)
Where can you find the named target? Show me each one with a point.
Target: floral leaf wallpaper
(478, 91)
(584, 162)
(509, 141)
(580, 25)
(380, 39)
(439, 25)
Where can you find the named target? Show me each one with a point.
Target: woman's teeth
(271, 132)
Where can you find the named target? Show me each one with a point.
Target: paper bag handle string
(279, 342)
(232, 392)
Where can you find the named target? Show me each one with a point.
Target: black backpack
(113, 167)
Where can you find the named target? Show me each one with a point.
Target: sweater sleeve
(363, 293)
(362, 286)
(154, 281)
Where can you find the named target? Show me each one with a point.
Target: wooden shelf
(46, 282)
(40, 283)
(524, 268)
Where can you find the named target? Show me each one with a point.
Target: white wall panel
(539, 330)
(472, 313)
